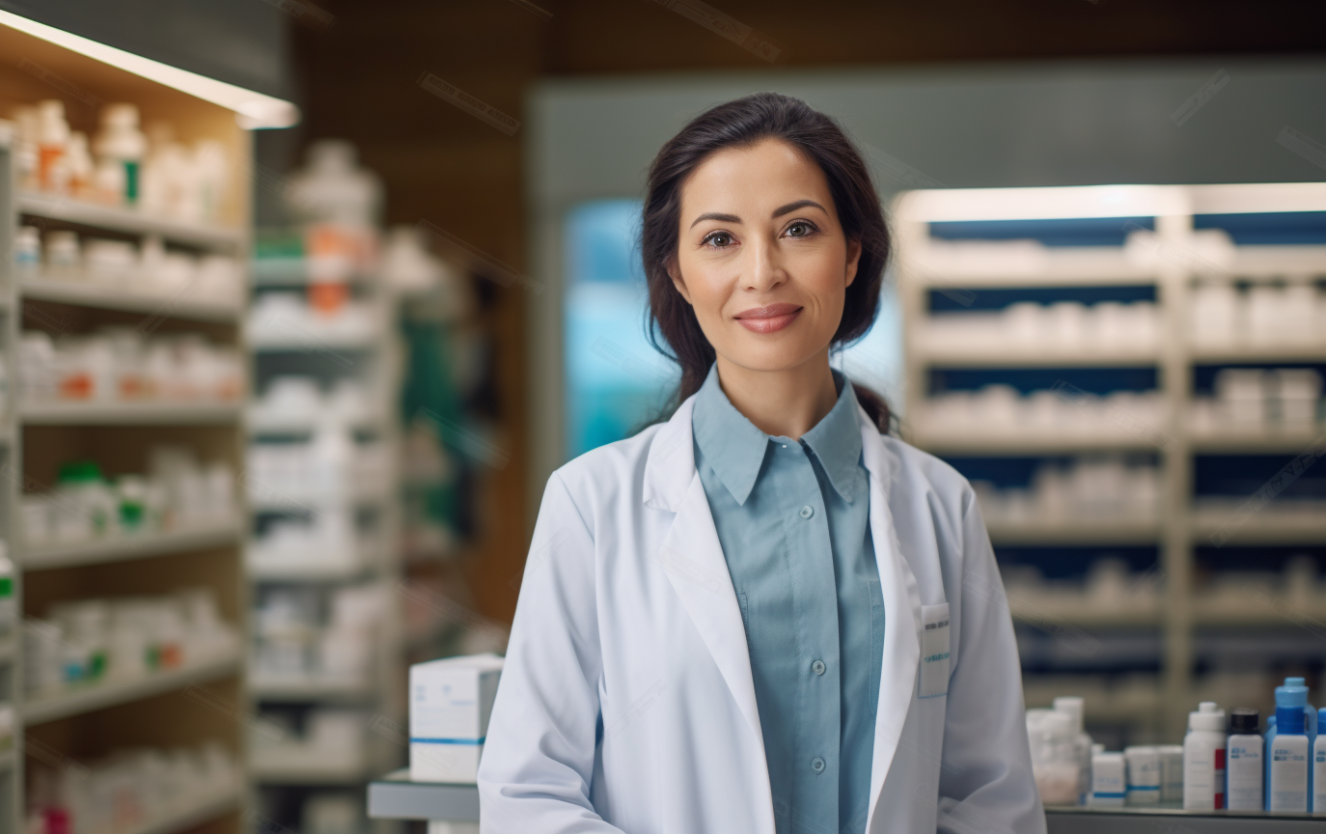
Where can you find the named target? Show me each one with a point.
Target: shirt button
(807, 511)
(817, 667)
(817, 764)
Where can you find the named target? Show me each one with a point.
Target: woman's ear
(675, 275)
(853, 259)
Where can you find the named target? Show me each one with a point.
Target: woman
(764, 615)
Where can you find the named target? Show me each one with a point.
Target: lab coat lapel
(902, 617)
(692, 558)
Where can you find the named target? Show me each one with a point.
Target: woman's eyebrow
(778, 212)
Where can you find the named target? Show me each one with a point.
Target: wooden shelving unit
(930, 267)
(204, 698)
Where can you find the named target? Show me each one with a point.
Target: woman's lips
(768, 319)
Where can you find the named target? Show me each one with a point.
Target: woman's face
(761, 256)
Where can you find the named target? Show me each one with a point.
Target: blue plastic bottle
(1293, 712)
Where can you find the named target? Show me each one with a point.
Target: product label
(1289, 774)
(1245, 774)
(1203, 775)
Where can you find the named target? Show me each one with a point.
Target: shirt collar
(735, 448)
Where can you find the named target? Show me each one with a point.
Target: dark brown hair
(743, 123)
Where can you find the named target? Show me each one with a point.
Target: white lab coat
(627, 702)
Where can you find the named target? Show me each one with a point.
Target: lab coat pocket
(933, 680)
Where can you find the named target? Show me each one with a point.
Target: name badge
(934, 651)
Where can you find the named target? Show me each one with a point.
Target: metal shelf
(1266, 527)
(1123, 531)
(1258, 610)
(395, 797)
(286, 272)
(308, 688)
(274, 502)
(129, 221)
(1258, 354)
(109, 694)
(89, 293)
(311, 767)
(124, 547)
(1043, 443)
(129, 413)
(1002, 355)
(1029, 267)
(259, 423)
(310, 572)
(1075, 820)
(1254, 443)
(313, 341)
(1081, 614)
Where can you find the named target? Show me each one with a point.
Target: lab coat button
(818, 667)
(817, 764)
(807, 511)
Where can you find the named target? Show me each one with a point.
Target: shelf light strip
(254, 110)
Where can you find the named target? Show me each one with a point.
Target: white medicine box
(450, 702)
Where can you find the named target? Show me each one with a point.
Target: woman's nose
(765, 269)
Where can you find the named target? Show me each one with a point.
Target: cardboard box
(450, 702)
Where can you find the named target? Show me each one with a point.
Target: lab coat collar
(692, 558)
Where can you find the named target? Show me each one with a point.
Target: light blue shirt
(793, 518)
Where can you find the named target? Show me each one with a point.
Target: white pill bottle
(1204, 759)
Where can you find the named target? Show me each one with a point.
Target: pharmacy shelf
(963, 271)
(272, 501)
(1027, 266)
(194, 814)
(129, 546)
(1277, 262)
(1264, 527)
(110, 693)
(1061, 819)
(311, 572)
(130, 221)
(1258, 354)
(265, 423)
(286, 272)
(975, 443)
(1004, 355)
(1257, 607)
(311, 767)
(313, 341)
(1051, 614)
(308, 688)
(89, 293)
(129, 413)
(1067, 532)
(396, 797)
(1257, 443)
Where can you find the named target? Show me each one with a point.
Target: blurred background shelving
(1124, 373)
(122, 410)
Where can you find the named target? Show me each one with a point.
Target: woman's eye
(718, 239)
(805, 227)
